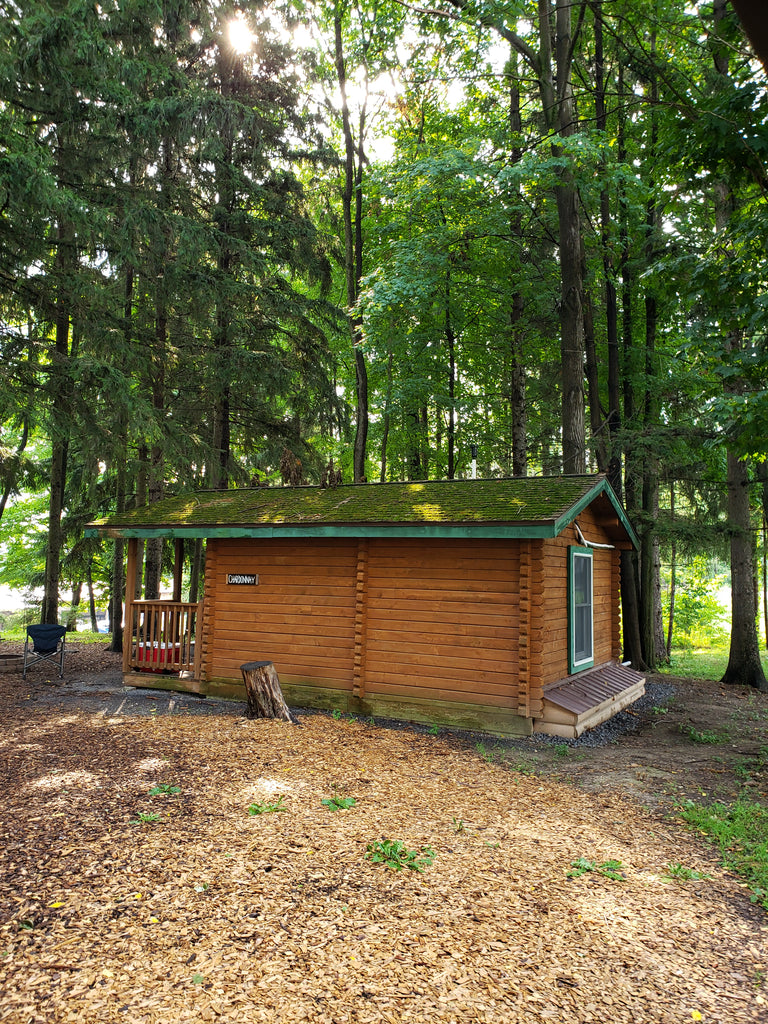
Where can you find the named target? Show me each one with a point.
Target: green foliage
(702, 735)
(699, 616)
(395, 855)
(165, 789)
(609, 868)
(740, 832)
(146, 818)
(485, 753)
(267, 807)
(679, 873)
(338, 803)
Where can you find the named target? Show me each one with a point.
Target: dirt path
(701, 741)
(120, 905)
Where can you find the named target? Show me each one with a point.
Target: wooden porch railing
(160, 637)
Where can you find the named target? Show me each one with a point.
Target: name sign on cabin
(240, 578)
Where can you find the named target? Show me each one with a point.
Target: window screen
(580, 608)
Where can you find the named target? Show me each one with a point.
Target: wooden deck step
(586, 699)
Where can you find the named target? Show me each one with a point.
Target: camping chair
(47, 644)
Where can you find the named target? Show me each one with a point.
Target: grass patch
(702, 664)
(740, 831)
(702, 735)
(18, 634)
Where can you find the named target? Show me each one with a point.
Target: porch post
(130, 597)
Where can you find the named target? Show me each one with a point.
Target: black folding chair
(47, 643)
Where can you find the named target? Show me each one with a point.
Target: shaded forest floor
(120, 905)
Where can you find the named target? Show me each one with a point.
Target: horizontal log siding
(442, 621)
(551, 604)
(301, 615)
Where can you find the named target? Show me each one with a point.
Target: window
(580, 638)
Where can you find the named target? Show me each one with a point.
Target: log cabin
(488, 605)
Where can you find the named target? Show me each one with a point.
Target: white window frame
(585, 659)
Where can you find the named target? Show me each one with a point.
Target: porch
(159, 639)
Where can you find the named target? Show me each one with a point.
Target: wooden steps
(586, 699)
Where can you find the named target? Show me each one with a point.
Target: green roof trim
(523, 507)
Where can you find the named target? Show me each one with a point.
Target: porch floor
(587, 699)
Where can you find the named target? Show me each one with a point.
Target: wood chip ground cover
(211, 914)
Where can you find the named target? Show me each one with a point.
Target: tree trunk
(195, 570)
(672, 571)
(353, 247)
(262, 687)
(633, 647)
(386, 420)
(613, 467)
(571, 283)
(66, 258)
(139, 501)
(91, 598)
(599, 447)
(450, 339)
(744, 665)
(517, 379)
(77, 590)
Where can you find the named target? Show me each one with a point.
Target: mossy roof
(518, 507)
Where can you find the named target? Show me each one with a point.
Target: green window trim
(581, 618)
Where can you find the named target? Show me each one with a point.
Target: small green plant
(336, 714)
(197, 979)
(660, 710)
(609, 868)
(485, 753)
(164, 789)
(458, 824)
(145, 818)
(397, 856)
(740, 831)
(338, 803)
(26, 924)
(434, 730)
(561, 750)
(702, 736)
(267, 808)
(680, 873)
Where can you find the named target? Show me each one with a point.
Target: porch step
(582, 701)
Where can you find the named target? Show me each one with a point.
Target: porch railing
(160, 637)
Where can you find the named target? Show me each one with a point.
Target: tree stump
(262, 686)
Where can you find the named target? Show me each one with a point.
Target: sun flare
(240, 35)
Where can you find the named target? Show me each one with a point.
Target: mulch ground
(208, 913)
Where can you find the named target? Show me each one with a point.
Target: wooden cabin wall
(553, 605)
(300, 615)
(386, 620)
(367, 624)
(442, 621)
